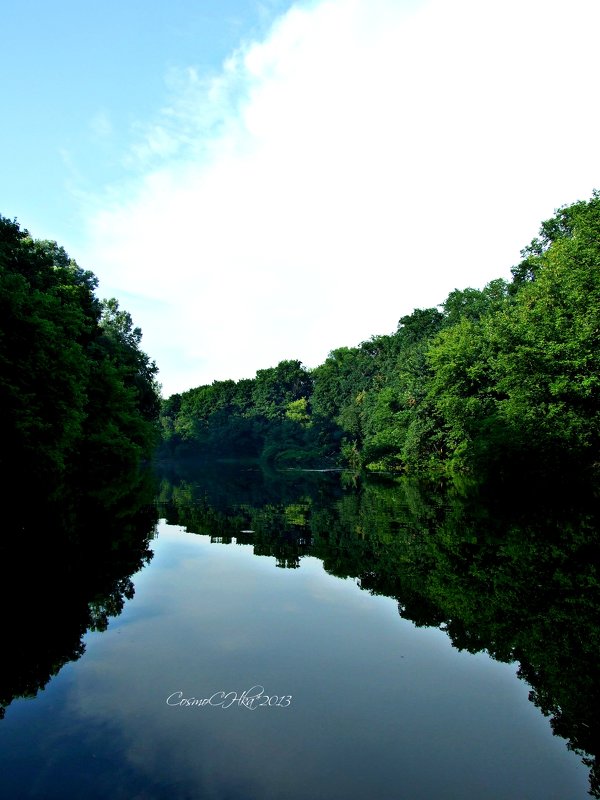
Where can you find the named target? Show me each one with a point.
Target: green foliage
(500, 378)
(520, 383)
(509, 378)
(297, 411)
(274, 389)
(267, 417)
(75, 389)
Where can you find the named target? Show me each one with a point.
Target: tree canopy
(492, 379)
(76, 390)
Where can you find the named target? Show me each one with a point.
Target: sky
(259, 180)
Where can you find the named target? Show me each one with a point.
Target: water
(286, 636)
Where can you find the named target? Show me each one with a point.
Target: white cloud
(364, 159)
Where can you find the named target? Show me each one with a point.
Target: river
(246, 635)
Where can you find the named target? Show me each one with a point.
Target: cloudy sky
(257, 180)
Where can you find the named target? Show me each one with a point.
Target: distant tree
(275, 388)
(494, 378)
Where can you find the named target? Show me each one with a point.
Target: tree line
(78, 395)
(497, 378)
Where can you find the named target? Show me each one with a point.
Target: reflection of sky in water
(380, 709)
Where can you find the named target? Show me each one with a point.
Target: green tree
(520, 384)
(71, 371)
(275, 388)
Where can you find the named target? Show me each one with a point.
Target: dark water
(297, 635)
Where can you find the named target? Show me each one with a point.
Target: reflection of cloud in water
(370, 692)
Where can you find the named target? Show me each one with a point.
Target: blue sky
(81, 79)
(265, 180)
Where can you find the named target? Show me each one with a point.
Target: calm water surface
(274, 588)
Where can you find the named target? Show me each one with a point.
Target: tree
(71, 370)
(520, 384)
(275, 388)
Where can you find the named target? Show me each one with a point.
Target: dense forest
(495, 379)
(78, 395)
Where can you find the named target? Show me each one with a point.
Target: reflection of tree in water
(74, 557)
(515, 577)
(270, 510)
